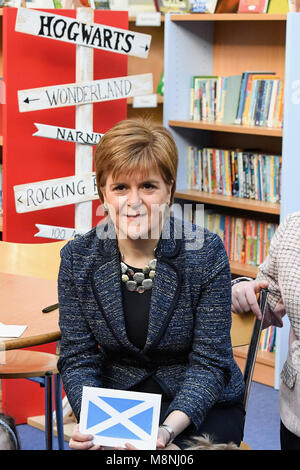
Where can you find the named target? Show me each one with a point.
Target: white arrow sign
(58, 192)
(63, 28)
(85, 92)
(55, 232)
(67, 135)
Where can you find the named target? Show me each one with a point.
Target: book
(227, 6)
(1, 188)
(244, 88)
(246, 241)
(203, 6)
(245, 174)
(141, 6)
(231, 98)
(278, 6)
(252, 6)
(294, 5)
(199, 96)
(168, 6)
(161, 84)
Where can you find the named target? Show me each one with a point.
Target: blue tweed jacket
(188, 347)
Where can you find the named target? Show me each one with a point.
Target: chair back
(246, 330)
(31, 259)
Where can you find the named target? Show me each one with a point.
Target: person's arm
(211, 352)
(244, 293)
(80, 357)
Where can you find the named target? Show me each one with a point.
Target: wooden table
(22, 299)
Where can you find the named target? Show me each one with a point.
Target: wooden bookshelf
(228, 17)
(264, 366)
(229, 201)
(223, 45)
(241, 269)
(232, 128)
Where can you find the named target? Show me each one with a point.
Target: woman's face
(136, 204)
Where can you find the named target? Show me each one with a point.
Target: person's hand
(162, 439)
(81, 441)
(244, 297)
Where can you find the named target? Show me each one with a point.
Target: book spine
(247, 101)
(238, 119)
(266, 103)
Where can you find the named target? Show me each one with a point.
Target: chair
(37, 260)
(246, 330)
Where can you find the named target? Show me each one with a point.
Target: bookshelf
(229, 201)
(234, 128)
(225, 44)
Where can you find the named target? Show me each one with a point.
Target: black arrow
(19, 199)
(27, 100)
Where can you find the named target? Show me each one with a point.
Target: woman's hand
(162, 439)
(81, 441)
(244, 297)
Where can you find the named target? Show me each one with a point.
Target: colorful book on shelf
(267, 340)
(227, 6)
(245, 87)
(202, 97)
(252, 6)
(251, 97)
(244, 174)
(168, 6)
(278, 6)
(246, 241)
(203, 6)
(1, 188)
(161, 85)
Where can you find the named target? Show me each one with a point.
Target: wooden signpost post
(81, 188)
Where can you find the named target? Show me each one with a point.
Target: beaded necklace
(139, 281)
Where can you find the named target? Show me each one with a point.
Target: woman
(157, 301)
(281, 274)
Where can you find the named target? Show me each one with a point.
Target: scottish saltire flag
(115, 417)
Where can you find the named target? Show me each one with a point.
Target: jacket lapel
(163, 300)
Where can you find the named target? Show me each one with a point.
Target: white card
(11, 331)
(145, 101)
(117, 417)
(148, 18)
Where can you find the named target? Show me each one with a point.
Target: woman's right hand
(81, 441)
(244, 297)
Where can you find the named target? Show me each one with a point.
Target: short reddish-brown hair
(136, 146)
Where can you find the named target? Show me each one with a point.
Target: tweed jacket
(188, 348)
(282, 270)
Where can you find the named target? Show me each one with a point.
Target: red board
(33, 62)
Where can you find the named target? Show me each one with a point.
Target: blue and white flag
(115, 417)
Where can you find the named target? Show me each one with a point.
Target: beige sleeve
(268, 271)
